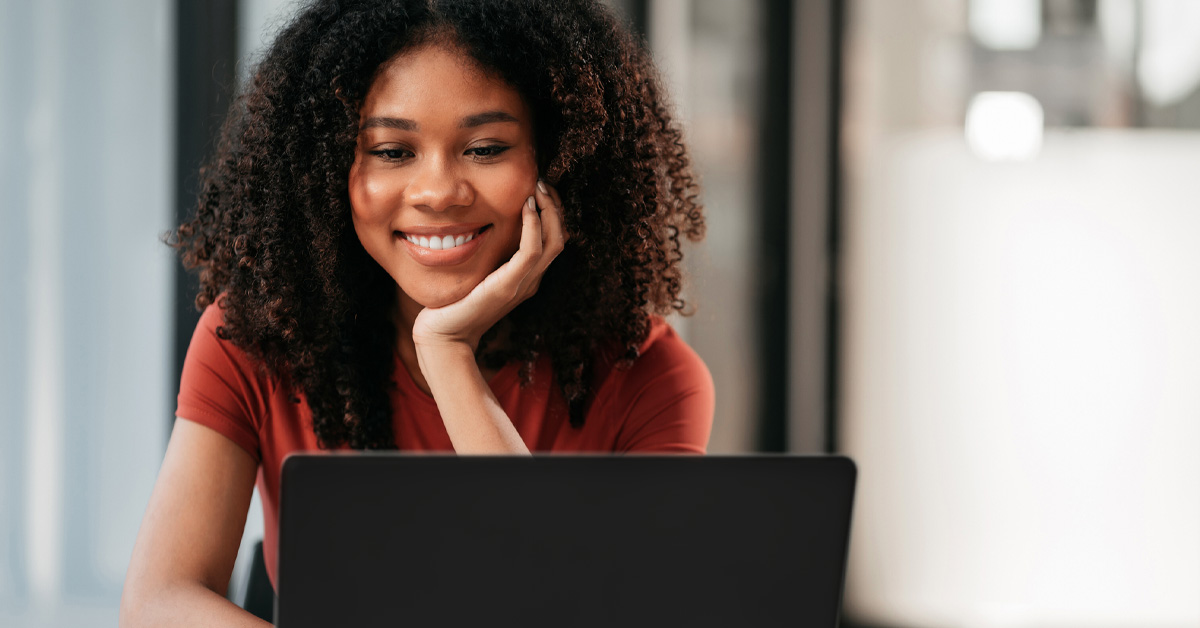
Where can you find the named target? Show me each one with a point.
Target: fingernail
(529, 203)
(542, 187)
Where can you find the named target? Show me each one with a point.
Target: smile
(447, 245)
(440, 244)
(435, 241)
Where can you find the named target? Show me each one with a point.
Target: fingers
(531, 230)
(542, 239)
(546, 187)
(554, 236)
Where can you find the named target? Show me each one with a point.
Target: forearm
(184, 606)
(473, 417)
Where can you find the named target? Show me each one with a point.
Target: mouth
(441, 239)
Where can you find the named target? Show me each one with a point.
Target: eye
(391, 154)
(485, 153)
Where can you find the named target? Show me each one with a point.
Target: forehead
(437, 80)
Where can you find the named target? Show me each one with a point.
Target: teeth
(440, 244)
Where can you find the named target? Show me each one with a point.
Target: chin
(435, 298)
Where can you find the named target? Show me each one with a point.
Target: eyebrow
(404, 124)
(487, 117)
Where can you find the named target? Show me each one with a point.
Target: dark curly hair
(273, 239)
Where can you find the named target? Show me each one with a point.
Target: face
(444, 162)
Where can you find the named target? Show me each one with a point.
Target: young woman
(429, 225)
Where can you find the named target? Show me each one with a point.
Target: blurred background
(957, 240)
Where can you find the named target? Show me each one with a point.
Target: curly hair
(276, 250)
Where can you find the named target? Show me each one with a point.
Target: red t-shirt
(663, 403)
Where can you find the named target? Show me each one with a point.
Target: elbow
(130, 614)
(135, 609)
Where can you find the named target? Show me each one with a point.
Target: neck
(404, 312)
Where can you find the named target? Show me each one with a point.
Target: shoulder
(210, 319)
(664, 401)
(211, 340)
(664, 353)
(214, 347)
(220, 381)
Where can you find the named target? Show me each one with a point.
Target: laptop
(388, 539)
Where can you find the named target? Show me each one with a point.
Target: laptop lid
(417, 540)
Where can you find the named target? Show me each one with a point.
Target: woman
(444, 226)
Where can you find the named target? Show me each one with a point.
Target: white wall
(1022, 350)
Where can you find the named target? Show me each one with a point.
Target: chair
(260, 597)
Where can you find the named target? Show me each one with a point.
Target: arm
(189, 537)
(474, 419)
(446, 337)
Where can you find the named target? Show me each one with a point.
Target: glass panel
(710, 54)
(84, 338)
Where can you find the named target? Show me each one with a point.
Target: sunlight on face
(445, 160)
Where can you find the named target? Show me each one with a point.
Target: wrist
(435, 354)
(443, 344)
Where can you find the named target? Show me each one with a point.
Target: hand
(465, 321)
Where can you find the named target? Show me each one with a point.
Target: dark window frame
(205, 81)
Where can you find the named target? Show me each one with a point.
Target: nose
(437, 185)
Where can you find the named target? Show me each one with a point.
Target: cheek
(506, 191)
(369, 195)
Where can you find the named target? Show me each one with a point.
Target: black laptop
(562, 541)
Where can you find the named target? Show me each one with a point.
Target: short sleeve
(220, 387)
(666, 399)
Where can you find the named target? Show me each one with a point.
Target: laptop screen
(417, 540)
